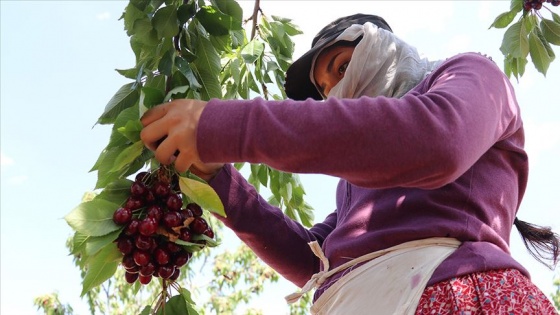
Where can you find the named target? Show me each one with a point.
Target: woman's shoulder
(472, 58)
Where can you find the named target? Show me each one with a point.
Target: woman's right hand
(170, 131)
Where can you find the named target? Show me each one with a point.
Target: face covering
(381, 65)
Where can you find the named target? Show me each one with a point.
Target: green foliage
(182, 49)
(51, 305)
(556, 295)
(530, 36)
(237, 276)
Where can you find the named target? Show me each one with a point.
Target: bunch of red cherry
(153, 218)
(529, 5)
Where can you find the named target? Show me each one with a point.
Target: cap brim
(298, 85)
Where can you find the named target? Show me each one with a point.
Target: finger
(183, 162)
(165, 152)
(154, 114)
(153, 134)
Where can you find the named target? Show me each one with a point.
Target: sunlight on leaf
(202, 194)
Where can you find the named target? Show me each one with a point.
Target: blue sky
(57, 74)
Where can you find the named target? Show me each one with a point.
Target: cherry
(195, 208)
(161, 189)
(143, 242)
(174, 202)
(208, 232)
(141, 258)
(133, 203)
(166, 271)
(186, 213)
(144, 279)
(148, 226)
(198, 225)
(125, 245)
(172, 247)
(182, 258)
(185, 235)
(175, 274)
(141, 176)
(150, 197)
(172, 219)
(122, 216)
(155, 212)
(128, 262)
(148, 269)
(138, 189)
(161, 256)
(132, 227)
(130, 277)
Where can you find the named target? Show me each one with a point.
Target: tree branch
(255, 17)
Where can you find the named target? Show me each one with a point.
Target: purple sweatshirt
(445, 160)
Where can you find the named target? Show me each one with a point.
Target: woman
(432, 167)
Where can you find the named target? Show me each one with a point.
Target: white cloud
(5, 160)
(103, 16)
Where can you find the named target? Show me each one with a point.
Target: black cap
(298, 85)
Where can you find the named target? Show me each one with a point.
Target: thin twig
(255, 17)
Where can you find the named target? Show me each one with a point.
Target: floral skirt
(491, 293)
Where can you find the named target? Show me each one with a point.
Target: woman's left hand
(170, 128)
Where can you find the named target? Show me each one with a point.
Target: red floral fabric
(495, 292)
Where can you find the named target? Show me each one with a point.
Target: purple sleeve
(278, 240)
(425, 139)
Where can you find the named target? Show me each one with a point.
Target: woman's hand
(170, 131)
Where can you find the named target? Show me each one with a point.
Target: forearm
(275, 238)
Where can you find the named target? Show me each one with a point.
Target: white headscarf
(381, 64)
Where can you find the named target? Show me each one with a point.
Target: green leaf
(174, 306)
(252, 51)
(131, 130)
(101, 267)
(147, 310)
(128, 73)
(186, 11)
(143, 27)
(93, 218)
(128, 155)
(186, 70)
(140, 4)
(97, 243)
(539, 53)
(188, 299)
(125, 97)
(117, 138)
(116, 191)
(174, 91)
(551, 31)
(515, 41)
(131, 14)
(165, 65)
(504, 19)
(208, 67)
(151, 97)
(214, 21)
(555, 17)
(306, 215)
(233, 9)
(79, 241)
(165, 22)
(263, 175)
(202, 194)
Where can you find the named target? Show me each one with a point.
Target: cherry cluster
(153, 217)
(529, 5)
